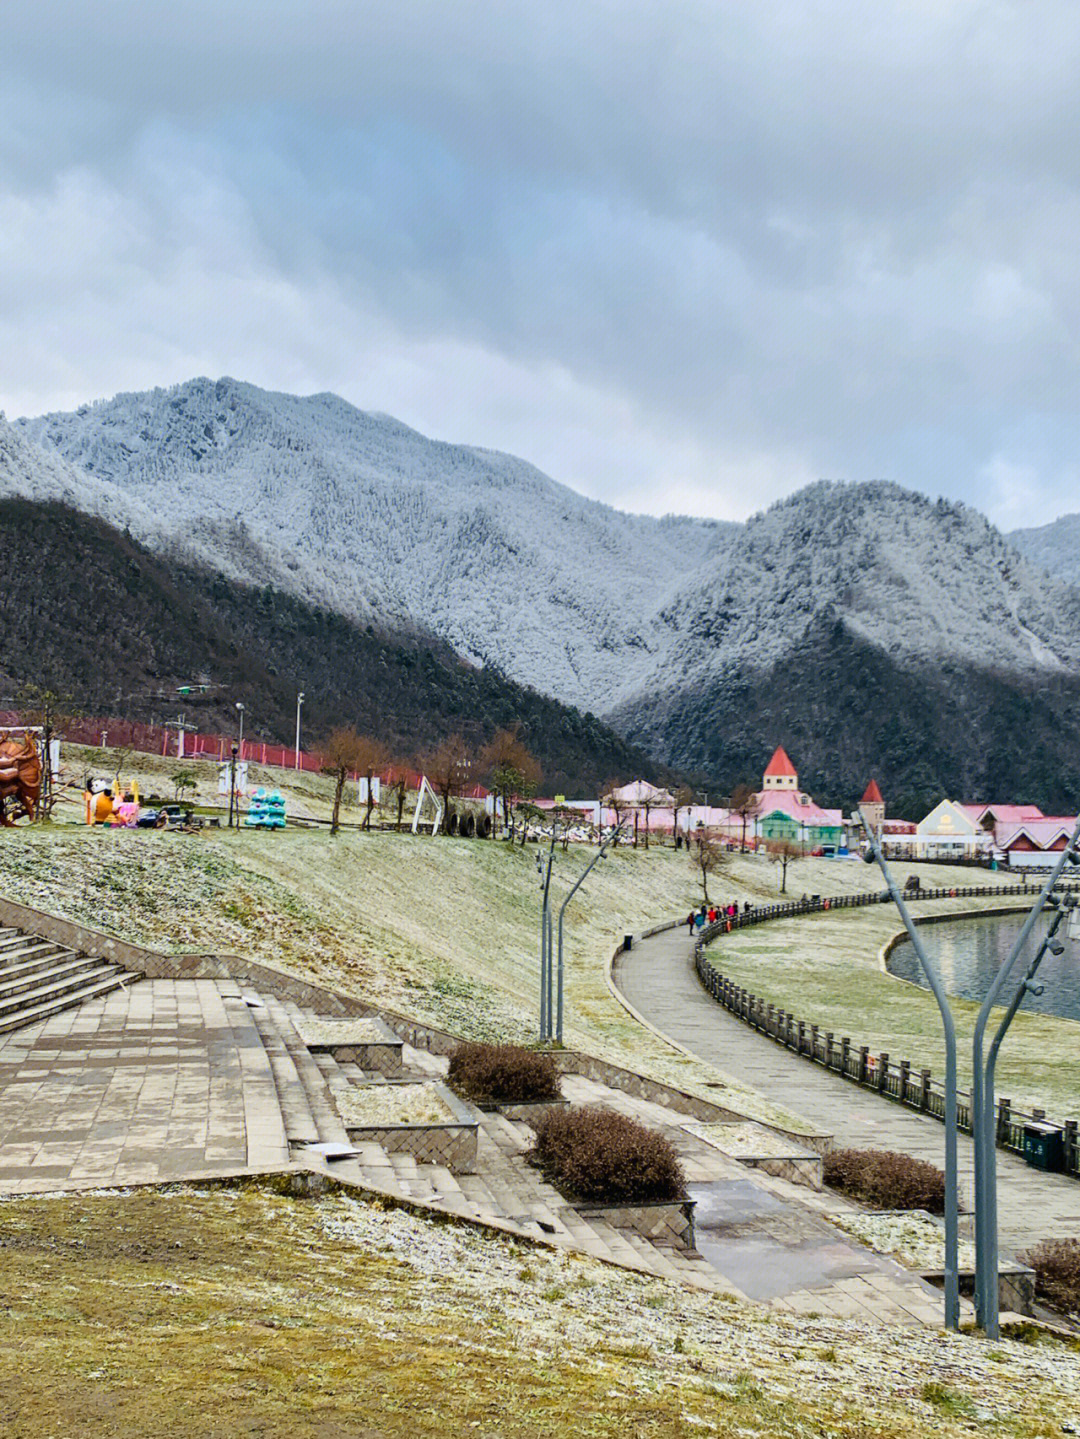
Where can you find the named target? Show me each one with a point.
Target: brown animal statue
(20, 779)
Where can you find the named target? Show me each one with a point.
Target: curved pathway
(658, 978)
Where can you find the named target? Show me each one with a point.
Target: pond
(969, 953)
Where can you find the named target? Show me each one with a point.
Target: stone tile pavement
(657, 977)
(167, 1080)
(156, 1081)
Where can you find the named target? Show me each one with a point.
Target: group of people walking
(712, 914)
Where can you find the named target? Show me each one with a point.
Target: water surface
(969, 952)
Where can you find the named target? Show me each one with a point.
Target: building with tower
(784, 812)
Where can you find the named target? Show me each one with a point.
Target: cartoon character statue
(20, 779)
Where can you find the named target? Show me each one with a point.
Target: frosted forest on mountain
(602, 609)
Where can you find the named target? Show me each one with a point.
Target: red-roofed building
(785, 813)
(780, 773)
(872, 806)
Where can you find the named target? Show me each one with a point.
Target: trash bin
(628, 941)
(1044, 1147)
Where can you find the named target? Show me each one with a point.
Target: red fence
(164, 740)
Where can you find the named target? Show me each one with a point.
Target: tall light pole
(299, 702)
(933, 979)
(240, 707)
(983, 1108)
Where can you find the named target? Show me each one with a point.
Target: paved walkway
(160, 1080)
(657, 977)
(172, 1080)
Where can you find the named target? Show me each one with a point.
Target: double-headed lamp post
(299, 702)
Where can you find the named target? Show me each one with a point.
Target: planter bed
(667, 1223)
(916, 1239)
(368, 1042)
(530, 1111)
(764, 1149)
(424, 1120)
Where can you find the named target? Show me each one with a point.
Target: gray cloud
(681, 256)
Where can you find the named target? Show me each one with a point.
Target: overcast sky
(685, 255)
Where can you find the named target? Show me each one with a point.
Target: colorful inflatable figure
(20, 780)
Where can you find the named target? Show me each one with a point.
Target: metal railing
(897, 1080)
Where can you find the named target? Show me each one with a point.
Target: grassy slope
(824, 968)
(445, 929)
(240, 1312)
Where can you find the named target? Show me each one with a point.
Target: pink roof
(1015, 813)
(974, 812)
(873, 794)
(780, 764)
(789, 803)
(1041, 832)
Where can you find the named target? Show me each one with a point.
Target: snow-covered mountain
(1054, 547)
(612, 612)
(360, 513)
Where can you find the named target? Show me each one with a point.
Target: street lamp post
(299, 702)
(559, 984)
(240, 708)
(983, 1106)
(952, 1247)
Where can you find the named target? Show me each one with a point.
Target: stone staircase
(504, 1188)
(38, 978)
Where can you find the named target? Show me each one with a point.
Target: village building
(953, 831)
(784, 812)
(872, 806)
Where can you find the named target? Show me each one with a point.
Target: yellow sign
(560, 799)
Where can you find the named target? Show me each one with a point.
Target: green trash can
(1044, 1147)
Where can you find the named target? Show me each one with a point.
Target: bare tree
(446, 767)
(785, 852)
(514, 772)
(707, 858)
(398, 788)
(342, 754)
(371, 757)
(744, 803)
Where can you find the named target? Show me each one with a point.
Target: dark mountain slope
(846, 710)
(90, 612)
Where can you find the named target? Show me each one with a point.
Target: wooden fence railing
(894, 1079)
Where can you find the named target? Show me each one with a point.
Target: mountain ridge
(638, 619)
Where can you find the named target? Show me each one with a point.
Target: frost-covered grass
(824, 968)
(444, 930)
(377, 1104)
(146, 1315)
(916, 1240)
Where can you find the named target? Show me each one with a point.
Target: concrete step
(327, 1119)
(42, 1009)
(29, 950)
(44, 971)
(17, 969)
(300, 1124)
(49, 989)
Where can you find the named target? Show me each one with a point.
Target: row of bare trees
(509, 769)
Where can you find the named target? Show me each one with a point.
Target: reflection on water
(969, 953)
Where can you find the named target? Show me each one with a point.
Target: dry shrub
(884, 1179)
(596, 1155)
(502, 1074)
(1056, 1263)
